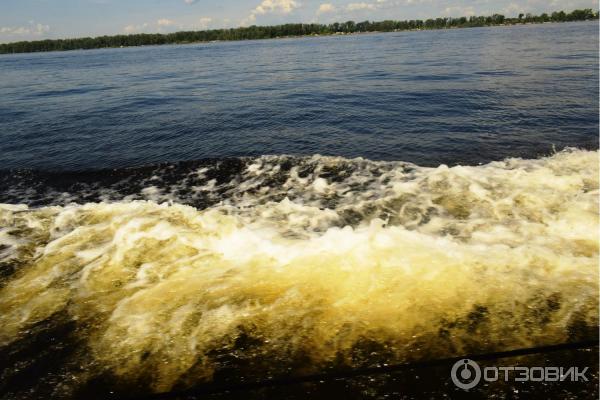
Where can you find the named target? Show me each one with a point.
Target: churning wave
(165, 275)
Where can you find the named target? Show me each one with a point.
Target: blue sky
(40, 19)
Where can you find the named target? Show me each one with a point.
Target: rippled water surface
(454, 96)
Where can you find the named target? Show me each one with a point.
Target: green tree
(267, 32)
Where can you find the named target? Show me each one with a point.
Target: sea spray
(301, 264)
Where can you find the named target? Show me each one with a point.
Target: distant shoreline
(289, 31)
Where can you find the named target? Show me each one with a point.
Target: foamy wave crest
(301, 264)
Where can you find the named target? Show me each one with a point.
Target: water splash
(308, 263)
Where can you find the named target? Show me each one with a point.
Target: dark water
(456, 96)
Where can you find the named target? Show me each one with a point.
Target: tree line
(288, 30)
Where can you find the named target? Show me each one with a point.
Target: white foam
(499, 255)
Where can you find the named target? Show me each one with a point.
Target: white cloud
(32, 29)
(164, 22)
(271, 6)
(360, 6)
(189, 1)
(459, 11)
(135, 28)
(164, 25)
(204, 22)
(250, 19)
(326, 8)
(380, 5)
(513, 9)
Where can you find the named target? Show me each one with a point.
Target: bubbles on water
(310, 263)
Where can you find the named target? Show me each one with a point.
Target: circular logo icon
(466, 374)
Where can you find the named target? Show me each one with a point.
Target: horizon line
(327, 29)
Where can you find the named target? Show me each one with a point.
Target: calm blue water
(454, 96)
